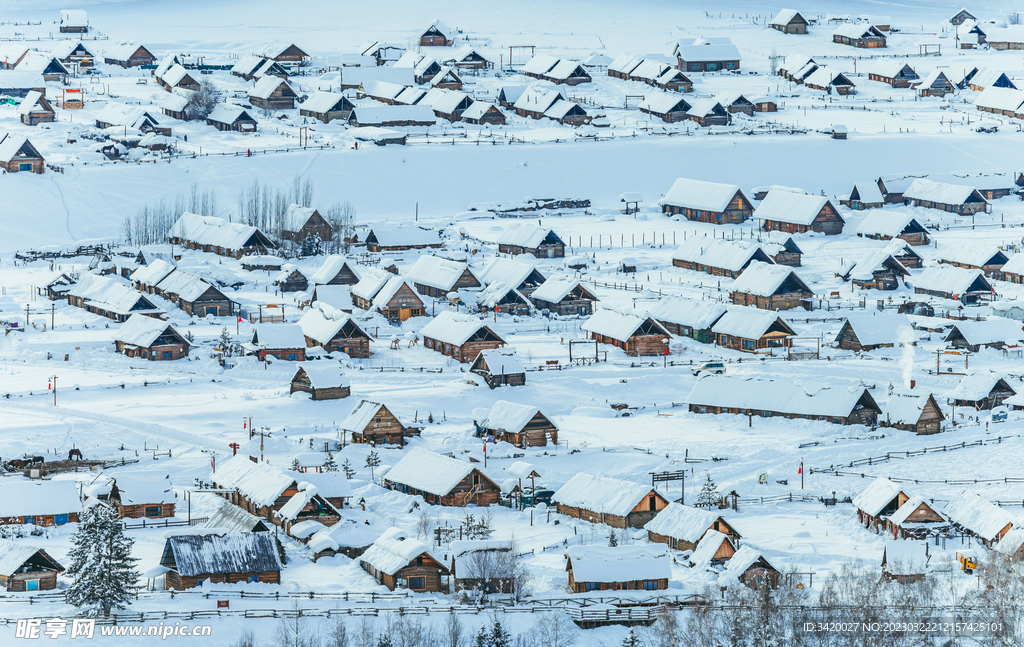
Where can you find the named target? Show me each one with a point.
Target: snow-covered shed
(951, 282)
(18, 155)
(667, 106)
(128, 55)
(893, 72)
(35, 109)
(39, 503)
(887, 225)
(750, 568)
(194, 295)
(150, 338)
(283, 341)
(980, 391)
(334, 330)
(436, 277)
(988, 258)
(519, 424)
(400, 561)
(619, 568)
(27, 568)
(231, 518)
(713, 549)
(798, 213)
(789, 21)
(978, 517)
(916, 519)
(499, 366)
(712, 202)
(860, 35)
(107, 297)
(459, 336)
(336, 270)
(372, 422)
(74, 21)
(880, 499)
(912, 410)
(868, 332)
(326, 106)
(750, 330)
(1012, 544)
(681, 526)
(348, 537)
(525, 238)
(564, 296)
(482, 564)
(196, 556)
(442, 480)
(954, 198)
(706, 55)
(718, 257)
(905, 561)
(636, 335)
(143, 495)
(218, 236)
(770, 287)
(321, 380)
(397, 300)
(689, 317)
(618, 503)
(876, 270)
(523, 276)
(995, 332)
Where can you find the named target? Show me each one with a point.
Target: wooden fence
(889, 456)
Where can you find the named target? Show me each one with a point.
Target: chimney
(913, 383)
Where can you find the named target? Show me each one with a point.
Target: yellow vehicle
(968, 560)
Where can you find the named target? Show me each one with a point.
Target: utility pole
(54, 378)
(801, 473)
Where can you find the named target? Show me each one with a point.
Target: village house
(751, 569)
(57, 287)
(373, 423)
(556, 70)
(27, 568)
(770, 287)
(887, 225)
(735, 102)
(954, 198)
(191, 293)
(287, 54)
(681, 527)
(713, 549)
(231, 518)
(859, 35)
(994, 332)
(437, 34)
(423, 67)
(718, 257)
(73, 53)
(446, 79)
(951, 282)
(961, 16)
(750, 330)
(670, 108)
(905, 562)
(688, 317)
(34, 109)
(618, 568)
(219, 557)
(273, 93)
(706, 55)
(435, 277)
(976, 257)
(519, 424)
(371, 282)
(399, 561)
(796, 67)
(321, 380)
(142, 495)
(764, 398)
(107, 297)
(623, 66)
(459, 336)
(868, 332)
(398, 301)
(523, 276)
(300, 223)
(781, 248)
(45, 65)
(326, 106)
(637, 336)
(129, 55)
(866, 195)
(707, 202)
(530, 239)
(880, 499)
(446, 104)
(336, 270)
(18, 155)
(150, 338)
(980, 391)
(290, 280)
(789, 21)
(1013, 269)
(564, 297)
(348, 537)
(133, 117)
(617, 503)
(336, 331)
(498, 367)
(39, 503)
(256, 67)
(934, 84)
(830, 81)
(892, 72)
(502, 297)
(482, 112)
(878, 270)
(917, 519)
(218, 236)
(798, 213)
(988, 77)
(979, 518)
(709, 112)
(1010, 37)
(1012, 544)
(467, 58)
(483, 565)
(441, 480)
(395, 239)
(228, 117)
(912, 410)
(281, 341)
(74, 21)
(173, 105)
(177, 77)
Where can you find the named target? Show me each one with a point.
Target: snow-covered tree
(330, 465)
(372, 461)
(101, 559)
(709, 496)
(201, 102)
(346, 467)
(631, 640)
(296, 466)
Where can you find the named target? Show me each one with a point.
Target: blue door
(31, 585)
(60, 519)
(30, 521)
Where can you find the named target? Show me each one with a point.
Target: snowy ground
(113, 407)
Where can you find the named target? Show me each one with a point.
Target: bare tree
(366, 633)
(555, 630)
(294, 631)
(337, 635)
(454, 633)
(201, 102)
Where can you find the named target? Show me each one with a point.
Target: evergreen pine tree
(612, 540)
(295, 464)
(631, 640)
(101, 562)
(329, 464)
(225, 340)
(500, 637)
(482, 638)
(347, 468)
(384, 640)
(372, 461)
(709, 496)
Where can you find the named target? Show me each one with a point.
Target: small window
(293, 356)
(650, 585)
(31, 585)
(253, 578)
(476, 479)
(168, 354)
(417, 583)
(591, 586)
(419, 561)
(154, 511)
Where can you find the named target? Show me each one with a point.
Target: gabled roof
(322, 101)
(111, 295)
(619, 563)
(323, 375)
(390, 289)
(437, 272)
(620, 326)
(37, 498)
(905, 557)
(662, 103)
(720, 253)
(555, 289)
(455, 329)
(625, 63)
(13, 556)
(975, 254)
(876, 496)
(231, 518)
(499, 361)
(143, 331)
(362, 414)
(510, 416)
(995, 98)
(526, 235)
(440, 28)
(978, 386)
(796, 208)
(977, 515)
(824, 77)
(144, 488)
(698, 194)
(682, 522)
(206, 554)
(750, 323)
(995, 330)
(699, 315)
(602, 495)
(857, 30)
(478, 109)
(705, 107)
(954, 280)
(891, 68)
(277, 48)
(268, 85)
(430, 472)
(175, 75)
(322, 327)
(394, 549)
(34, 101)
(403, 236)
(275, 336)
(226, 113)
(539, 97)
(786, 16)
(872, 330)
(217, 232)
(509, 271)
(711, 52)
(905, 407)
(15, 146)
(261, 483)
(762, 279)
(941, 192)
(125, 51)
(884, 222)
(370, 283)
(742, 561)
(783, 396)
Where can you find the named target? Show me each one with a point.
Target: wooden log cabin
(372, 280)
(877, 502)
(281, 341)
(951, 282)
(499, 367)
(831, 82)
(668, 107)
(979, 518)
(789, 21)
(326, 106)
(300, 223)
(541, 242)
(194, 295)
(618, 568)
(459, 336)
(336, 270)
(766, 398)
(441, 480)
(337, 332)
(398, 239)
(399, 561)
(287, 54)
(57, 287)
(681, 527)
(482, 112)
(689, 317)
(347, 537)
(859, 35)
(322, 381)
(39, 503)
(177, 77)
(617, 503)
(917, 519)
(886, 225)
(27, 568)
(218, 236)
(751, 569)
(1013, 270)
(637, 336)
(73, 53)
(980, 391)
(988, 259)
(709, 112)
(273, 93)
(192, 559)
(713, 549)
(934, 84)
(35, 109)
(718, 257)
(564, 297)
(373, 423)
(879, 270)
(291, 280)
(482, 565)
(894, 73)
(142, 495)
(503, 298)
(866, 195)
(868, 332)
(953, 198)
(436, 277)
(912, 410)
(719, 204)
(128, 55)
(106, 297)
(437, 34)
(770, 287)
(798, 213)
(150, 338)
(231, 118)
(994, 332)
(519, 424)
(706, 55)
(398, 301)
(18, 155)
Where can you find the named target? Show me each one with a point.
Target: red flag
(800, 470)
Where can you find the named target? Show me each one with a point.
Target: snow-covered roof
(948, 278)
(122, 52)
(976, 386)
(143, 331)
(261, 483)
(903, 514)
(905, 556)
(748, 323)
(720, 253)
(602, 495)
(496, 292)
(872, 330)
(707, 547)
(744, 558)
(877, 495)
(298, 501)
(144, 488)
(699, 315)
(995, 330)
(855, 30)
(393, 550)
(405, 236)
(510, 416)
(210, 553)
(478, 109)
(329, 485)
(31, 103)
(999, 99)
(555, 289)
(330, 268)
(711, 52)
(276, 336)
(275, 49)
(762, 279)
(228, 113)
(619, 563)
(1011, 541)
(941, 192)
(64, 48)
(522, 469)
(109, 294)
(389, 290)
(625, 63)
(185, 285)
(507, 270)
(231, 518)
(429, 472)
(322, 322)
(74, 18)
(455, 329)
(502, 361)
(618, 325)
(974, 254)
(361, 416)
(371, 281)
(267, 86)
(682, 522)
(704, 107)
(38, 498)
(784, 17)
(879, 222)
(977, 515)
(1015, 265)
(889, 68)
(784, 396)
(540, 97)
(175, 75)
(444, 101)
(1008, 34)
(13, 555)
(796, 208)
(524, 235)
(698, 194)
(208, 230)
(662, 103)
(347, 533)
(437, 272)
(322, 101)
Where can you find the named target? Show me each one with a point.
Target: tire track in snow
(64, 203)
